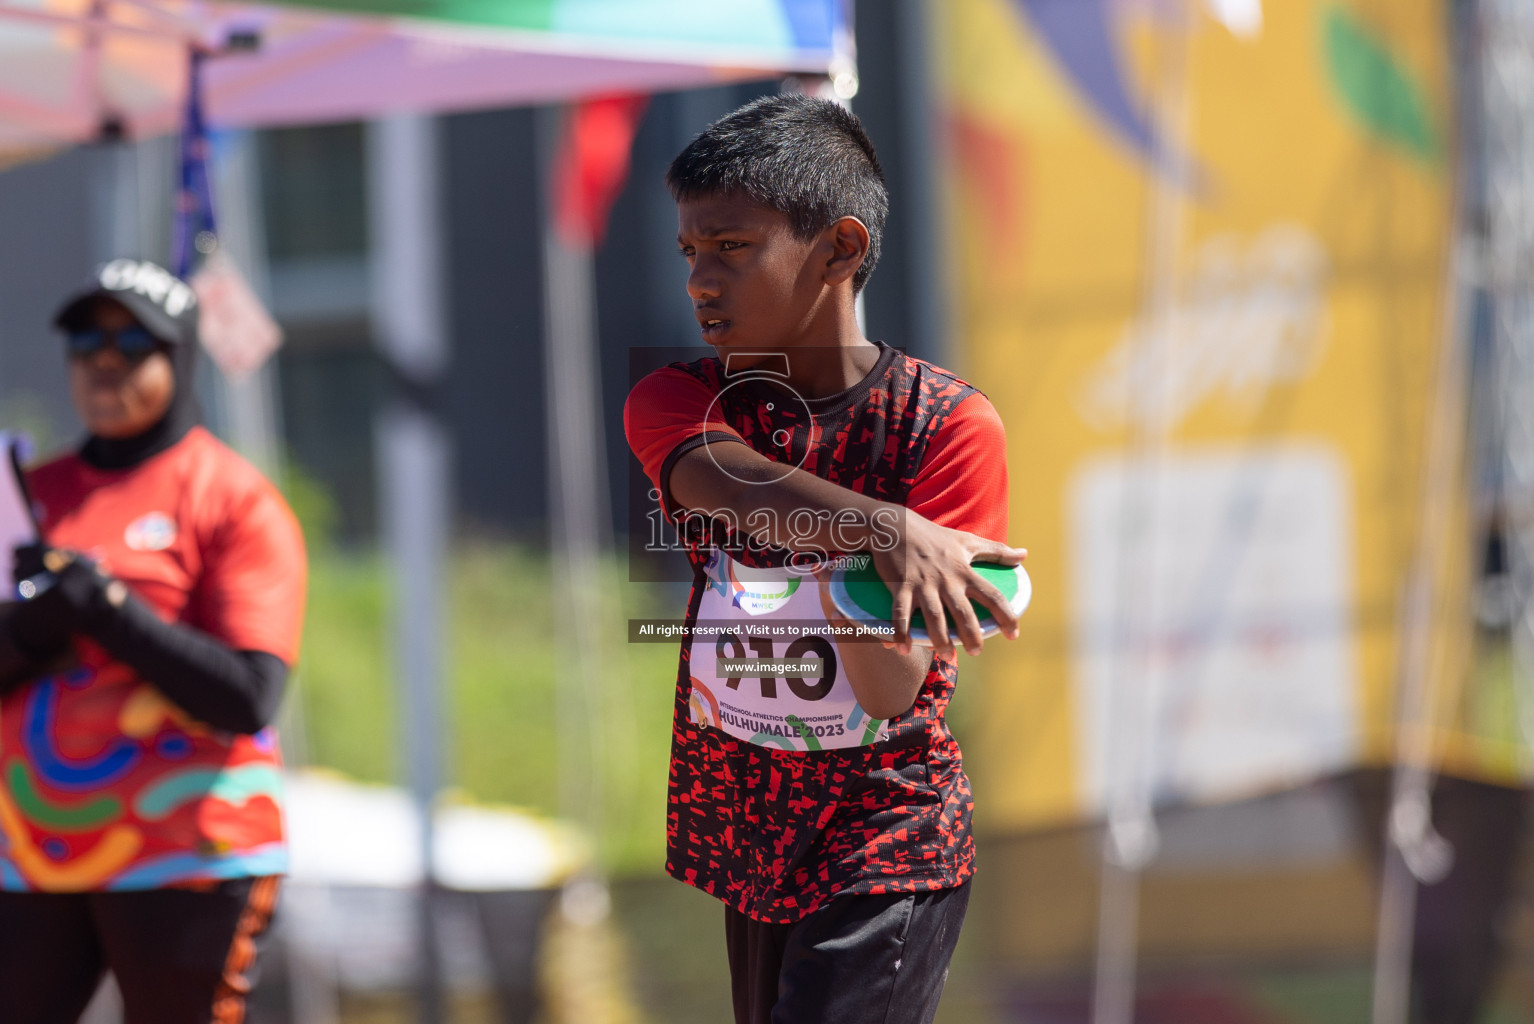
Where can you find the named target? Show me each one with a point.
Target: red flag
(592, 164)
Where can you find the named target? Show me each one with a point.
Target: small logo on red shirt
(154, 531)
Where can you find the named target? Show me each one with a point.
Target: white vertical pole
(1415, 854)
(250, 406)
(252, 417)
(579, 524)
(409, 325)
(1139, 657)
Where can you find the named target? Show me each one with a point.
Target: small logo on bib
(154, 531)
(759, 591)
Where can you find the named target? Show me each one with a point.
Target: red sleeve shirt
(665, 411)
(962, 482)
(251, 593)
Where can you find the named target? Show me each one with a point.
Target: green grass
(344, 677)
(504, 681)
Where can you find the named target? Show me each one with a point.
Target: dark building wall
(877, 106)
(495, 396)
(494, 402)
(330, 383)
(898, 296)
(46, 248)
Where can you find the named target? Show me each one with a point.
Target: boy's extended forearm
(786, 507)
(927, 567)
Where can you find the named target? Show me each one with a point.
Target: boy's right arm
(927, 566)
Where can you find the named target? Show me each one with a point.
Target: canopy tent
(73, 70)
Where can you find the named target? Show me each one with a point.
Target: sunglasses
(133, 343)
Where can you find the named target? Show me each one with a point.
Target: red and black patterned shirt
(783, 793)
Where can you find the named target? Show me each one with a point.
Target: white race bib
(764, 616)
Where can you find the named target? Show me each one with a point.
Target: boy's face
(754, 284)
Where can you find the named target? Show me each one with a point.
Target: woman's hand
(79, 597)
(27, 561)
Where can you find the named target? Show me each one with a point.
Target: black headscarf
(166, 307)
(183, 414)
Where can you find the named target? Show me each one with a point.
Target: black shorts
(180, 956)
(856, 960)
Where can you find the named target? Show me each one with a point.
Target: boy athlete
(829, 812)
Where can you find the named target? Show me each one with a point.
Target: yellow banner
(1199, 266)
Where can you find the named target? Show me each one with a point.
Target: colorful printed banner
(1215, 456)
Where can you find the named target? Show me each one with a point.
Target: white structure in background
(350, 833)
(248, 408)
(350, 902)
(1255, 629)
(580, 523)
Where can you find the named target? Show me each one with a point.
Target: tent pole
(252, 416)
(409, 325)
(253, 419)
(1415, 853)
(579, 527)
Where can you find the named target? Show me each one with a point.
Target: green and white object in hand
(865, 599)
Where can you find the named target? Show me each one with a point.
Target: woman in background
(140, 819)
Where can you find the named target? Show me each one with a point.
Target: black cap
(158, 299)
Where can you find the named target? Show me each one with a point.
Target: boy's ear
(849, 246)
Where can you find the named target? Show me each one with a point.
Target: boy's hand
(885, 681)
(930, 568)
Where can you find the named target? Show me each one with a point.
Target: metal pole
(413, 454)
(1508, 91)
(252, 416)
(1140, 667)
(579, 523)
(1415, 854)
(250, 407)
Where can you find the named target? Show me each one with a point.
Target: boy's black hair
(807, 158)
